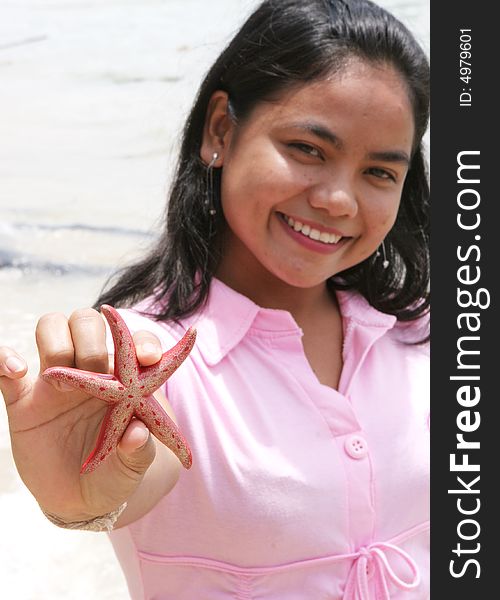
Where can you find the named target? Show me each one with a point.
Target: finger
(53, 339)
(12, 364)
(147, 347)
(88, 333)
(136, 449)
(13, 369)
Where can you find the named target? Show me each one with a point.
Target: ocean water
(93, 94)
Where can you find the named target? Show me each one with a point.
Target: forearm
(157, 482)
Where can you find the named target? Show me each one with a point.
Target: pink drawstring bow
(372, 562)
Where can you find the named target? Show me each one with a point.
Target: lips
(311, 232)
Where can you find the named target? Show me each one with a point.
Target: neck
(240, 270)
(272, 292)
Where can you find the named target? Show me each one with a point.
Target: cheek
(388, 221)
(259, 187)
(378, 222)
(382, 219)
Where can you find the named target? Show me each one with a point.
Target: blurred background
(93, 96)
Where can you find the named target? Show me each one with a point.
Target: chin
(301, 280)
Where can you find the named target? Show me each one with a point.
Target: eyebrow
(321, 132)
(397, 156)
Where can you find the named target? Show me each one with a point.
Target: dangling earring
(385, 262)
(209, 201)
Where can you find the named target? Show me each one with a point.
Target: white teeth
(314, 234)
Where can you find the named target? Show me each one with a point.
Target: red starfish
(129, 392)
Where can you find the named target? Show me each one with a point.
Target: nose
(336, 196)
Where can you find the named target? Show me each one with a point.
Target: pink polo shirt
(297, 491)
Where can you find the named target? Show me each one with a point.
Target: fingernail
(149, 348)
(145, 440)
(14, 365)
(64, 387)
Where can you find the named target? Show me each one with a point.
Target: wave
(81, 227)
(22, 42)
(30, 265)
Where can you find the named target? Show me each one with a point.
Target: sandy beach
(93, 98)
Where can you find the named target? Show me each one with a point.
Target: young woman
(296, 242)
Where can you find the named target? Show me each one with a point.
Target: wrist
(103, 522)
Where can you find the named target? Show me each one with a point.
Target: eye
(382, 174)
(306, 149)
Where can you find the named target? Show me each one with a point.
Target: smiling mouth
(310, 232)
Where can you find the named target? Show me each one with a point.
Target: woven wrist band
(101, 523)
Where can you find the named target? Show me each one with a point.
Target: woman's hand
(53, 428)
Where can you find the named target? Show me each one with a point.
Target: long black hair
(287, 43)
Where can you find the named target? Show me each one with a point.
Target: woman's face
(311, 184)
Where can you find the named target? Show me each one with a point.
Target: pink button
(356, 446)
(370, 568)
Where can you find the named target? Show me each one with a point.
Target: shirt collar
(228, 316)
(356, 307)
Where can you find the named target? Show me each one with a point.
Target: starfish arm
(155, 376)
(99, 385)
(153, 415)
(114, 424)
(126, 363)
(129, 391)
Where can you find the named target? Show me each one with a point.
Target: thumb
(13, 369)
(137, 449)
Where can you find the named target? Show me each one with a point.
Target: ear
(217, 130)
